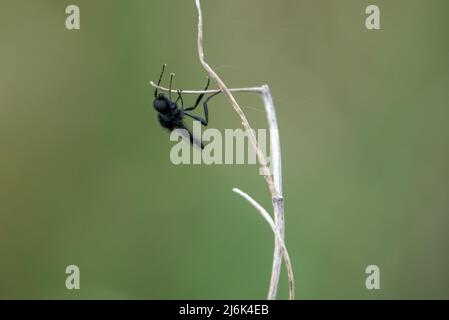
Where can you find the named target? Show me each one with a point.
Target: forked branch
(273, 179)
(274, 185)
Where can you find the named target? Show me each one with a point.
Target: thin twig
(274, 185)
(214, 76)
(278, 236)
(252, 89)
(278, 201)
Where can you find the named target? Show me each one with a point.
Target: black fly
(171, 116)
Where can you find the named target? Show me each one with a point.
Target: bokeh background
(85, 175)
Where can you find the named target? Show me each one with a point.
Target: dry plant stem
(213, 75)
(274, 185)
(278, 201)
(279, 238)
(252, 89)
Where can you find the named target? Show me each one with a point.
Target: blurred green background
(85, 175)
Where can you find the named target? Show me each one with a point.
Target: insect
(171, 115)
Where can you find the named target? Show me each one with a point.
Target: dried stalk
(252, 89)
(274, 185)
(274, 180)
(278, 236)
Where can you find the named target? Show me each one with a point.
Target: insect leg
(206, 108)
(180, 98)
(169, 88)
(160, 79)
(198, 100)
(204, 122)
